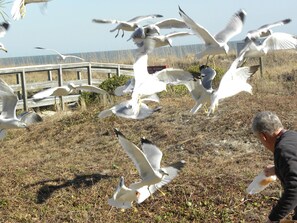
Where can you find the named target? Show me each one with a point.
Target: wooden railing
(22, 86)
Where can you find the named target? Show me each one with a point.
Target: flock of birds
(144, 87)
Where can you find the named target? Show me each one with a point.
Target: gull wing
(136, 155)
(124, 89)
(18, 9)
(264, 30)
(152, 153)
(171, 23)
(141, 18)
(3, 28)
(73, 56)
(104, 21)
(174, 76)
(279, 41)
(121, 190)
(90, 88)
(233, 28)
(176, 34)
(199, 30)
(9, 100)
(53, 50)
(172, 171)
(44, 94)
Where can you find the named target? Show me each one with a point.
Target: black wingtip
(180, 10)
(286, 21)
(241, 15)
(144, 140)
(117, 132)
(179, 165)
(158, 16)
(6, 25)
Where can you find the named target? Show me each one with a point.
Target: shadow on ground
(79, 181)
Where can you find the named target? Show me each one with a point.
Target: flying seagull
(18, 9)
(261, 41)
(154, 29)
(233, 82)
(217, 44)
(66, 90)
(129, 25)
(61, 56)
(8, 118)
(147, 161)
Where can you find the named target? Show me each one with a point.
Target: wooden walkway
(23, 87)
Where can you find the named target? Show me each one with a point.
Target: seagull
(148, 44)
(259, 183)
(8, 118)
(154, 29)
(29, 117)
(148, 84)
(123, 197)
(125, 110)
(264, 30)
(18, 9)
(201, 88)
(233, 82)
(4, 26)
(61, 56)
(272, 41)
(147, 161)
(66, 90)
(275, 42)
(216, 44)
(130, 25)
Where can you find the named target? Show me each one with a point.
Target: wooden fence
(22, 86)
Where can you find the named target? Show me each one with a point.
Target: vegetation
(66, 167)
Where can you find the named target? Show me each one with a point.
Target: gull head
(3, 48)
(163, 173)
(22, 125)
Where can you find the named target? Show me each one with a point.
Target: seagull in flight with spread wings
(147, 161)
(262, 41)
(217, 44)
(61, 56)
(129, 25)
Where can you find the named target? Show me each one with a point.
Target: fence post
(78, 75)
(118, 71)
(18, 81)
(24, 90)
(261, 66)
(60, 83)
(49, 75)
(90, 74)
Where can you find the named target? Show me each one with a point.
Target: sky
(66, 25)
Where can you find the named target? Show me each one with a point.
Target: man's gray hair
(266, 122)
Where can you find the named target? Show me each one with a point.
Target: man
(283, 144)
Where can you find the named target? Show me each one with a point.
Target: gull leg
(160, 191)
(117, 34)
(123, 33)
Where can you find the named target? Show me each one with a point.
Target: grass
(66, 168)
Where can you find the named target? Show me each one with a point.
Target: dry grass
(66, 167)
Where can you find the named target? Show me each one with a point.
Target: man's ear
(263, 136)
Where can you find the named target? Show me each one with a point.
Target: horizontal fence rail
(22, 86)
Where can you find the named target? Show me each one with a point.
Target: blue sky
(67, 24)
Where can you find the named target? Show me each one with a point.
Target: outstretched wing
(144, 17)
(152, 153)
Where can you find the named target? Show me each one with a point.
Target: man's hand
(269, 170)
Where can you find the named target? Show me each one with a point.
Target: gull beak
(5, 50)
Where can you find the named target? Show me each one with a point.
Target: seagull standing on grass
(147, 162)
(18, 10)
(217, 44)
(8, 118)
(61, 56)
(129, 25)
